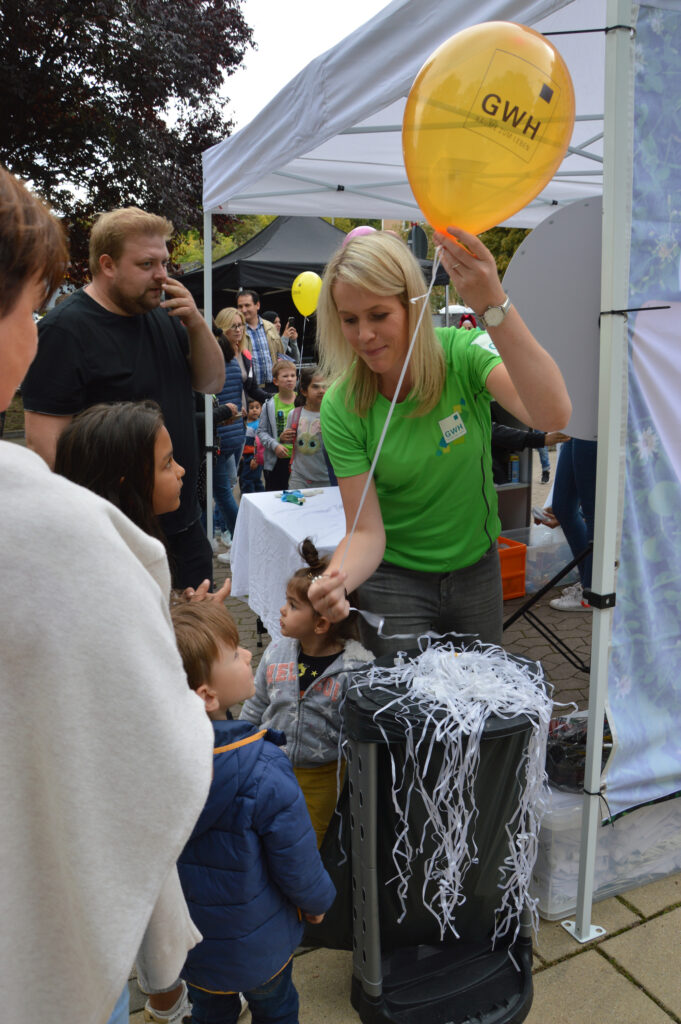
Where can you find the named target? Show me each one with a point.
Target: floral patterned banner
(645, 667)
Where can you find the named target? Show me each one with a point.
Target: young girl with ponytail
(299, 684)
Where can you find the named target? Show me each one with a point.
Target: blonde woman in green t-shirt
(423, 552)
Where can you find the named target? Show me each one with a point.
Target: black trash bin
(406, 972)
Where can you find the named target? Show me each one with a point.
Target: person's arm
(252, 390)
(365, 550)
(206, 361)
(529, 383)
(43, 432)
(290, 337)
(282, 821)
(267, 439)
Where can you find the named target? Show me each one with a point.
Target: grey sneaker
(571, 600)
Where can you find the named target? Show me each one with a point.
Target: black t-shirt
(310, 669)
(87, 355)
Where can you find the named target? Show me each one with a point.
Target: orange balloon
(487, 123)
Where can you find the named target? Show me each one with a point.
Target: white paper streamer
(457, 691)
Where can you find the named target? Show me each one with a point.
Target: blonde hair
(282, 364)
(111, 231)
(382, 264)
(225, 321)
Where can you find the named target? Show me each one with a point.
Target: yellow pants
(319, 789)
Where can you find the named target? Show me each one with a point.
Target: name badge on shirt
(452, 428)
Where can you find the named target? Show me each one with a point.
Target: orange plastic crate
(512, 557)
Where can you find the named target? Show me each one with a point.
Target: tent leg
(617, 185)
(208, 314)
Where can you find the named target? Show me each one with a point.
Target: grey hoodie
(312, 722)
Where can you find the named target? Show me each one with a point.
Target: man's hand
(180, 302)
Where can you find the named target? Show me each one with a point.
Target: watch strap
(503, 308)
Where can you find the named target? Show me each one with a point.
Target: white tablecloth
(264, 552)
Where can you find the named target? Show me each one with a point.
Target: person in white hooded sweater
(299, 685)
(105, 753)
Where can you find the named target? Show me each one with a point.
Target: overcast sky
(289, 35)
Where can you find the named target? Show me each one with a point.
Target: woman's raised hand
(327, 596)
(471, 267)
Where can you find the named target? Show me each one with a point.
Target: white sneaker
(226, 539)
(214, 545)
(571, 600)
(181, 1015)
(225, 558)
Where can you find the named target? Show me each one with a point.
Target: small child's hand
(254, 463)
(287, 435)
(314, 918)
(281, 452)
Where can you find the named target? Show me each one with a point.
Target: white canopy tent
(330, 144)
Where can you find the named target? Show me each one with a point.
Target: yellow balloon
(305, 292)
(486, 124)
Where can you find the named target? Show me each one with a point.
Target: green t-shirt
(281, 411)
(436, 492)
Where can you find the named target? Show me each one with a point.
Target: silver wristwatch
(494, 315)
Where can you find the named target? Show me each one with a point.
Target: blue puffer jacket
(232, 434)
(250, 863)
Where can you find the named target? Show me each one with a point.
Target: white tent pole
(617, 186)
(208, 313)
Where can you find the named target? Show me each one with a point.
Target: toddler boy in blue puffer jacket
(250, 871)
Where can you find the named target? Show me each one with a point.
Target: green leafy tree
(110, 102)
(188, 247)
(348, 223)
(502, 243)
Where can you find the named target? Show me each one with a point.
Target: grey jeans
(466, 601)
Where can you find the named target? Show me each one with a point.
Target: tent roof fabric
(273, 258)
(330, 142)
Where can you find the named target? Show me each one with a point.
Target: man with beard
(132, 333)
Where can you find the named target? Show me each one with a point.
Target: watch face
(494, 316)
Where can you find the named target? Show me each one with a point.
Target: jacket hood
(355, 654)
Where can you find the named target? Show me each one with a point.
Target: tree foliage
(111, 102)
(188, 247)
(502, 243)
